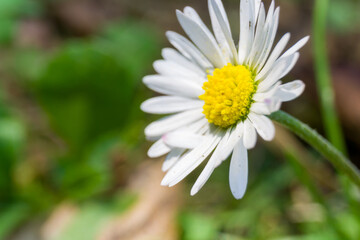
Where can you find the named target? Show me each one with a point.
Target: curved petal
(263, 126)
(238, 173)
(169, 104)
(260, 108)
(296, 46)
(158, 149)
(290, 91)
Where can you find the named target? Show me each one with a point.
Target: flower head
(218, 94)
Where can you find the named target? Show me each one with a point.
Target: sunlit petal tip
(194, 191)
(164, 183)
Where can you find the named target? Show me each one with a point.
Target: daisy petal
(188, 50)
(178, 86)
(259, 39)
(170, 123)
(175, 69)
(264, 96)
(280, 69)
(158, 149)
(235, 136)
(245, 22)
(249, 135)
(274, 55)
(172, 55)
(169, 104)
(172, 158)
(260, 108)
(296, 47)
(203, 39)
(263, 126)
(290, 91)
(211, 165)
(192, 160)
(271, 26)
(238, 174)
(181, 139)
(222, 30)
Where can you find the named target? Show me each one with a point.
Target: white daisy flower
(218, 94)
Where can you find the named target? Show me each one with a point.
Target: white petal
(222, 30)
(271, 26)
(274, 55)
(178, 86)
(238, 174)
(172, 158)
(274, 104)
(174, 69)
(183, 139)
(170, 123)
(262, 96)
(296, 47)
(217, 156)
(169, 104)
(249, 135)
(263, 126)
(199, 127)
(290, 91)
(158, 149)
(260, 108)
(280, 69)
(257, 4)
(245, 22)
(172, 55)
(260, 36)
(203, 39)
(235, 136)
(192, 159)
(188, 50)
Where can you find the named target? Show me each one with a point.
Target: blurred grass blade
(323, 77)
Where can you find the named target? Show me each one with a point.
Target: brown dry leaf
(153, 216)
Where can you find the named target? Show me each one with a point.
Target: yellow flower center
(228, 95)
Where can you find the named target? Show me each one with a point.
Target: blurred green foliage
(344, 16)
(89, 90)
(10, 12)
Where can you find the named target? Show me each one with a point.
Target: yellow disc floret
(228, 95)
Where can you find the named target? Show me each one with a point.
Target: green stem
(323, 76)
(339, 161)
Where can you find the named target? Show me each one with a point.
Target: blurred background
(73, 162)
